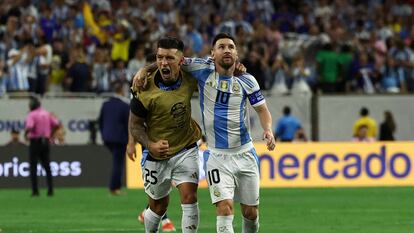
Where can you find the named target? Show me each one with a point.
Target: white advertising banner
(74, 114)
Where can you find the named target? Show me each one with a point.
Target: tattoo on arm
(137, 129)
(151, 67)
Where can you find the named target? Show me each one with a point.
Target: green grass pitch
(330, 210)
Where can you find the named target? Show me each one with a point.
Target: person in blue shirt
(287, 126)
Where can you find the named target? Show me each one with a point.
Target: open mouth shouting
(166, 72)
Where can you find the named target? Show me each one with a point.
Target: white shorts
(234, 176)
(158, 175)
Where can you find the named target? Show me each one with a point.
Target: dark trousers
(118, 151)
(39, 150)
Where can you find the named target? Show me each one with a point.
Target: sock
(190, 220)
(250, 226)
(151, 221)
(165, 221)
(225, 224)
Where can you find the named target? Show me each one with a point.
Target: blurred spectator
(345, 58)
(387, 127)
(367, 121)
(328, 69)
(257, 65)
(136, 63)
(392, 77)
(328, 33)
(366, 76)
(78, 77)
(120, 45)
(301, 76)
(193, 38)
(48, 23)
(281, 70)
(57, 74)
(287, 126)
(19, 62)
(120, 73)
(3, 65)
(44, 62)
(15, 138)
(361, 135)
(101, 69)
(113, 125)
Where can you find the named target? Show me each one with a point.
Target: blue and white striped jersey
(223, 104)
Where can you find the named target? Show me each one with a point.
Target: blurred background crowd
(303, 46)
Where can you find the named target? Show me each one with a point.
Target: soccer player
(166, 224)
(232, 166)
(160, 120)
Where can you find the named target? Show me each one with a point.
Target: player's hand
(140, 80)
(130, 150)
(159, 149)
(269, 139)
(239, 69)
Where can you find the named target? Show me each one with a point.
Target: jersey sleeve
(198, 67)
(137, 108)
(252, 89)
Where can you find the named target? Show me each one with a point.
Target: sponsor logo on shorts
(192, 227)
(223, 229)
(216, 192)
(194, 175)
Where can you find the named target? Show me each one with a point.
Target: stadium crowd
(304, 46)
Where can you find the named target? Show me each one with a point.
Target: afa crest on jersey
(224, 85)
(236, 87)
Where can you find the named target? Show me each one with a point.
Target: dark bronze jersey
(168, 113)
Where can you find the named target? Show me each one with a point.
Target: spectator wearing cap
(113, 126)
(15, 138)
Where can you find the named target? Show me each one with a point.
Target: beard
(226, 65)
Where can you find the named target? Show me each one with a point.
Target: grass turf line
(330, 210)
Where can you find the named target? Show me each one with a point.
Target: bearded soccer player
(232, 165)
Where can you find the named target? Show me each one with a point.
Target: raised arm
(139, 82)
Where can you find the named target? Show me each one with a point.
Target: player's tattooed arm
(136, 124)
(139, 82)
(137, 129)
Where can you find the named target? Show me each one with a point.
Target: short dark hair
(286, 110)
(117, 85)
(170, 43)
(364, 111)
(222, 36)
(15, 130)
(34, 103)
